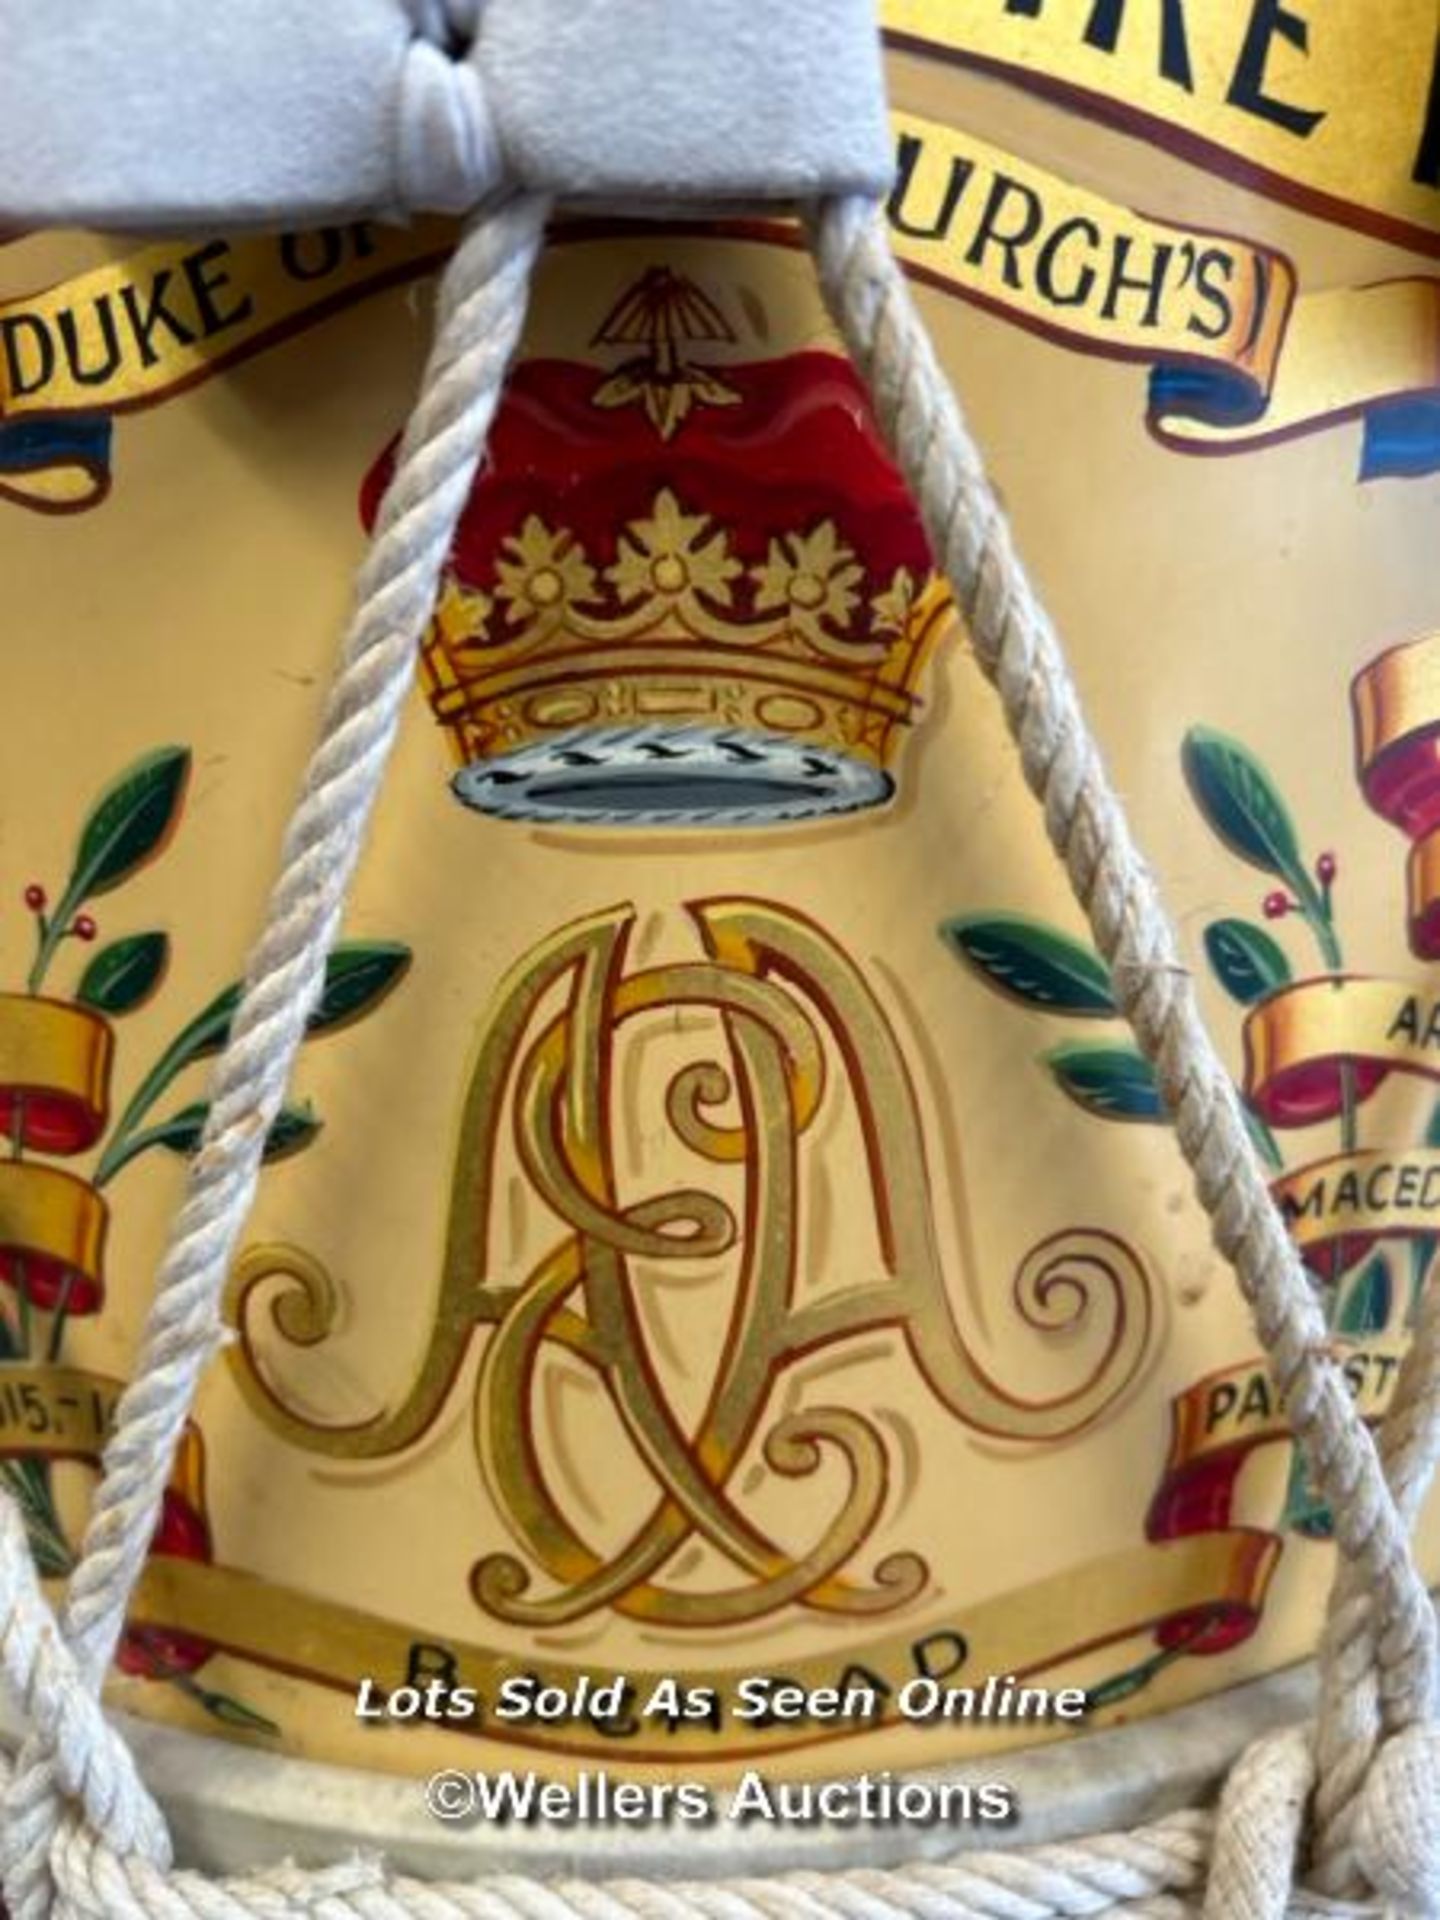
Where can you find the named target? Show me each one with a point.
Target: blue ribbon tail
(1402, 438)
(1218, 396)
(58, 463)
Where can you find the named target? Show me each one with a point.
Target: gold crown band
(557, 645)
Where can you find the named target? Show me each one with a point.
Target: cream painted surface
(201, 603)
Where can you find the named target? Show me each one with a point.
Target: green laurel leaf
(1247, 962)
(233, 1713)
(358, 976)
(1032, 963)
(123, 975)
(292, 1131)
(129, 823)
(1365, 1304)
(1115, 1083)
(1306, 1511)
(1242, 804)
(1262, 1137)
(28, 1481)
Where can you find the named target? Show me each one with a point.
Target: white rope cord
(91, 1763)
(1260, 1830)
(1160, 1863)
(1018, 649)
(1353, 1713)
(79, 1836)
(481, 309)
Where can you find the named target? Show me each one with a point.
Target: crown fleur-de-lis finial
(663, 313)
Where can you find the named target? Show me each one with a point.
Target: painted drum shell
(911, 958)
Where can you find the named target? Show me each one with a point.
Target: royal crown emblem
(681, 593)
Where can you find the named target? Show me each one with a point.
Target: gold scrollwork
(801, 1029)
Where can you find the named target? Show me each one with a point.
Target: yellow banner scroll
(1069, 263)
(1367, 353)
(61, 1413)
(65, 1413)
(138, 330)
(1124, 1594)
(1359, 1196)
(1240, 1406)
(1217, 1424)
(1296, 1041)
(1395, 702)
(1333, 104)
(1237, 358)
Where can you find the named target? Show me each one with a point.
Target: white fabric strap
(146, 114)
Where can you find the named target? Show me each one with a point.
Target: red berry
(1326, 869)
(1277, 905)
(83, 927)
(35, 897)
